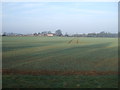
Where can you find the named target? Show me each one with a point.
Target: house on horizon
(50, 34)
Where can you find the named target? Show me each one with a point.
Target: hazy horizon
(70, 17)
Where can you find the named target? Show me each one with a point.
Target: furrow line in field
(47, 72)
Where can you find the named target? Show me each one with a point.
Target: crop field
(54, 62)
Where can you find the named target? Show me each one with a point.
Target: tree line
(59, 33)
(101, 34)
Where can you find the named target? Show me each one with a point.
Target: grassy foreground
(72, 81)
(60, 54)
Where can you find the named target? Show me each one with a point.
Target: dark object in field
(77, 41)
(70, 41)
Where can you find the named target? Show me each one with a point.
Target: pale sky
(70, 17)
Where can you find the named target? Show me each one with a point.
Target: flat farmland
(59, 62)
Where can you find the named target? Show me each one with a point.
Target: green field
(30, 56)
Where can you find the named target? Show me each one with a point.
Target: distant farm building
(50, 35)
